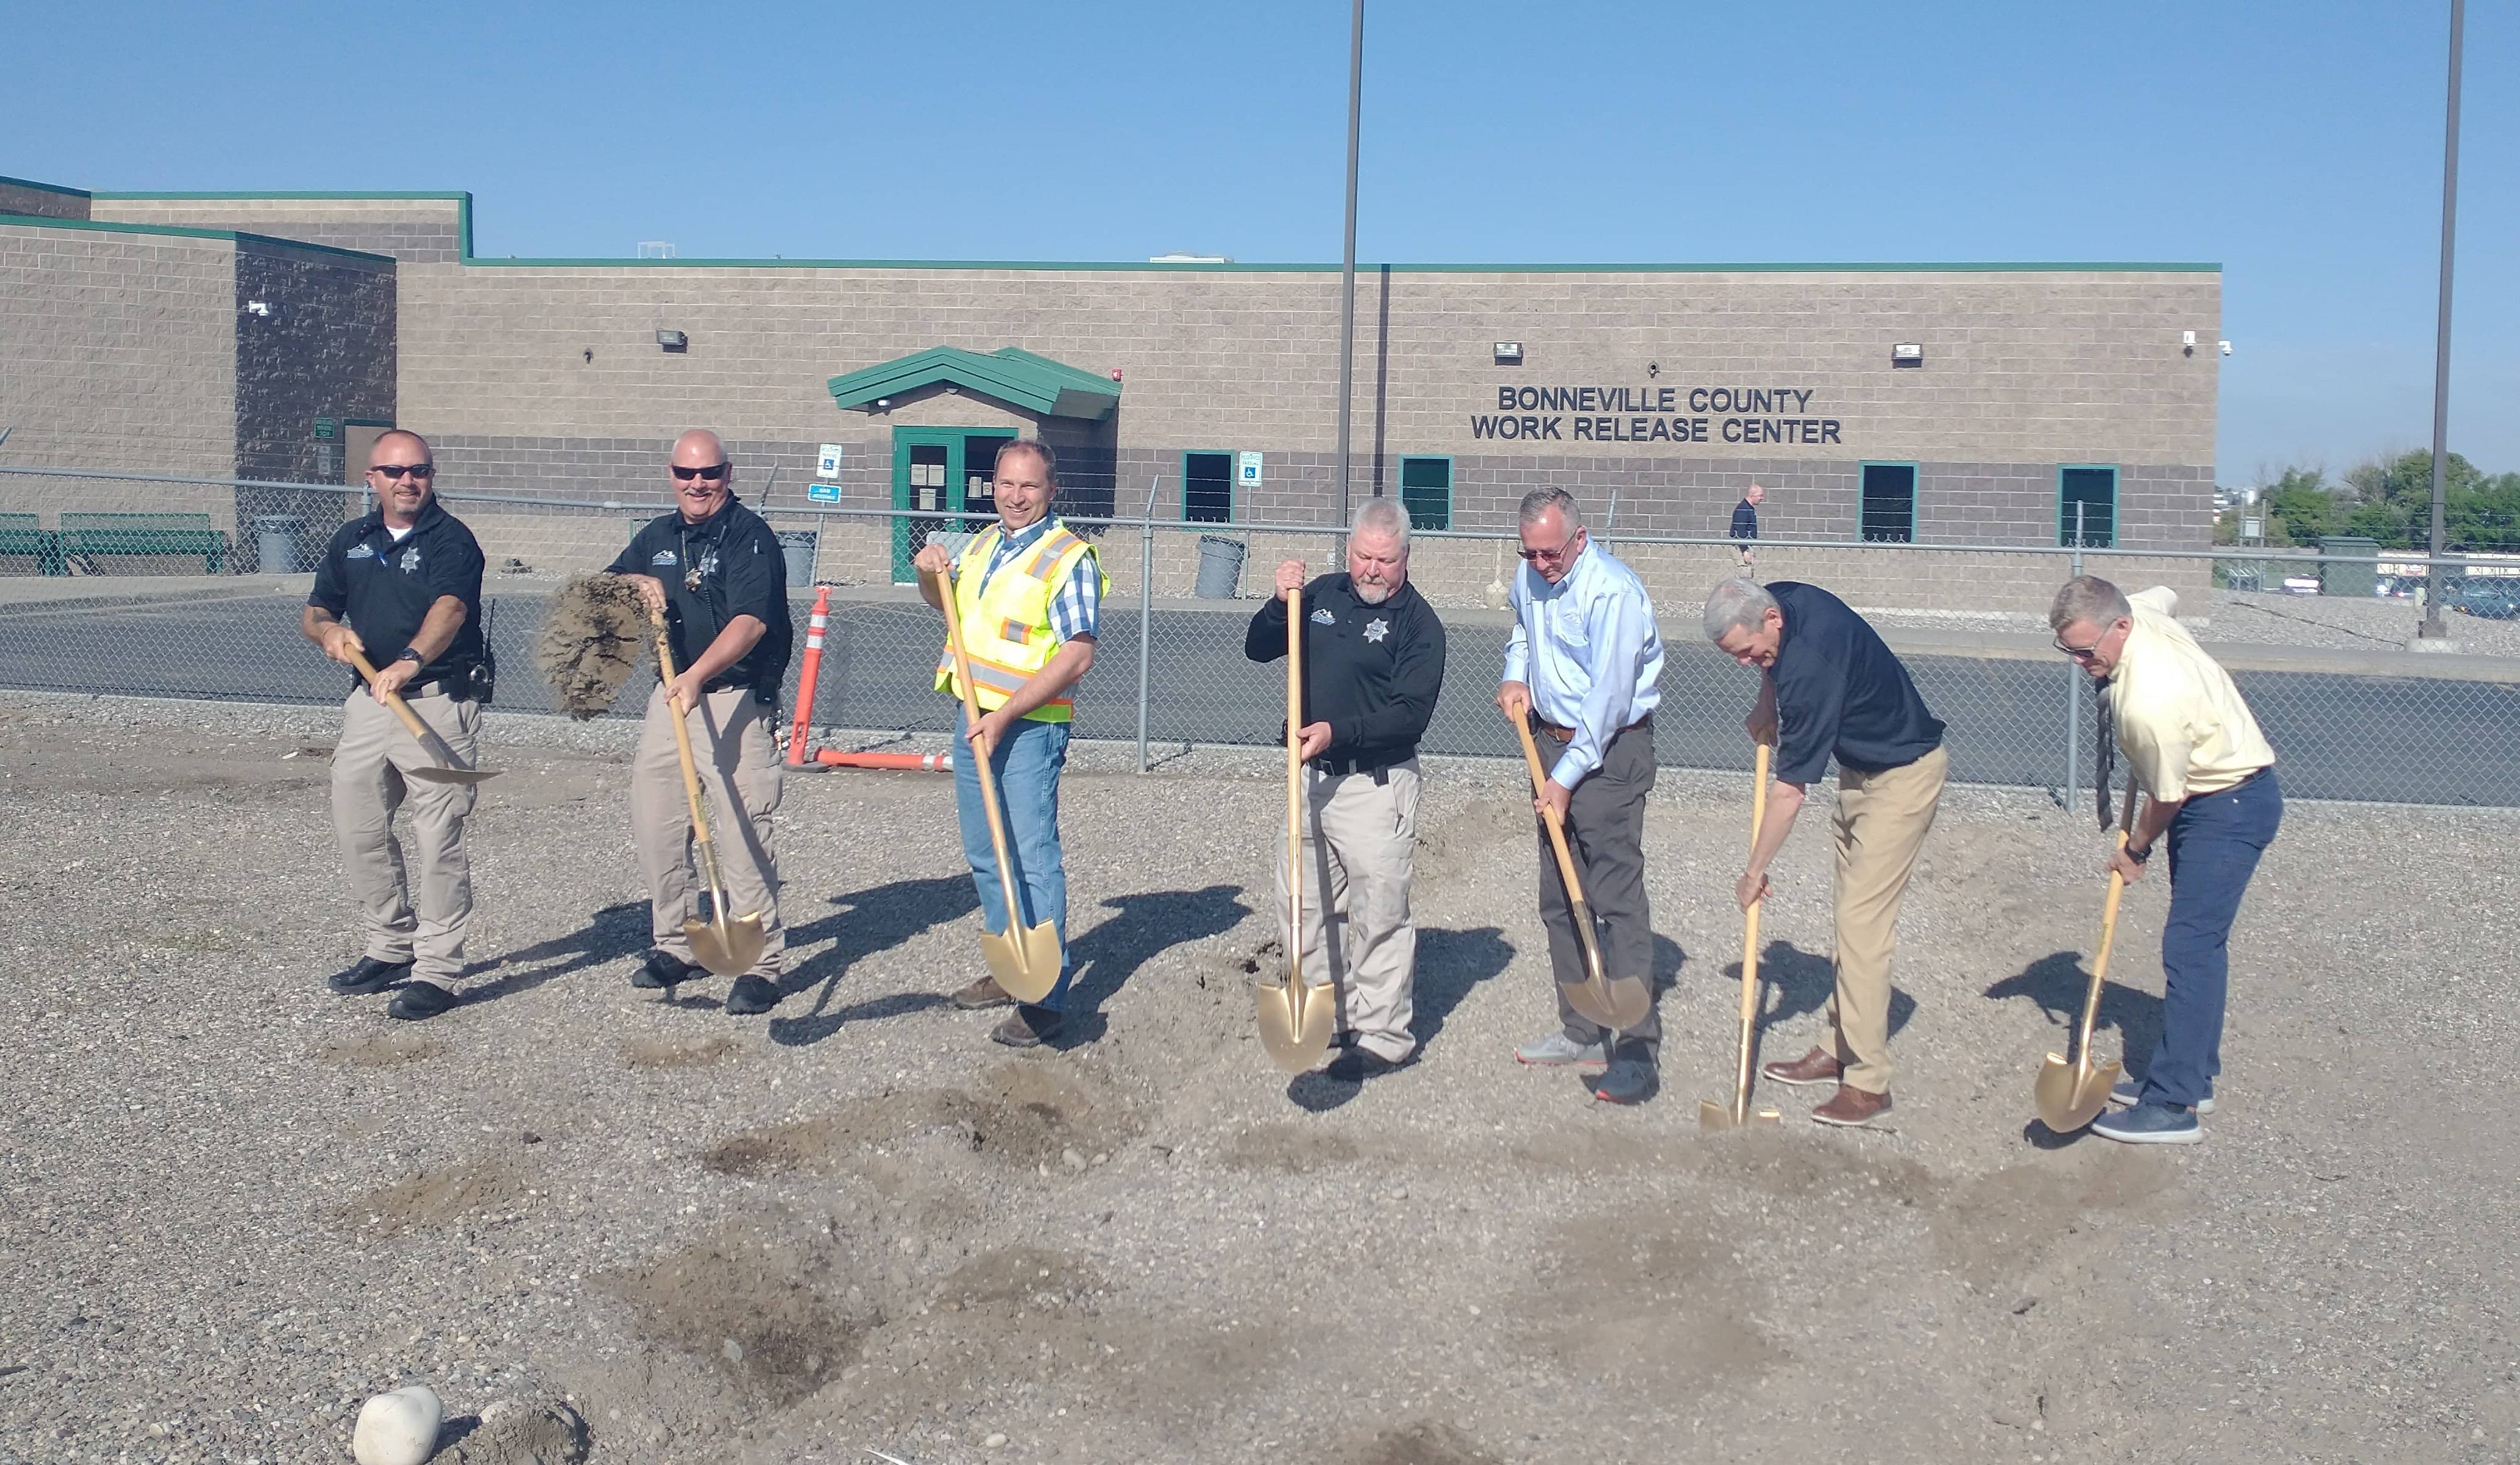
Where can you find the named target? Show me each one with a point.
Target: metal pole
(2074, 679)
(2432, 627)
(1347, 268)
(1146, 609)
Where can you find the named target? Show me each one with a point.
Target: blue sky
(2299, 146)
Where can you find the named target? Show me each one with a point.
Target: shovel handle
(2108, 932)
(1295, 800)
(410, 720)
(1015, 922)
(683, 746)
(1557, 831)
(1750, 948)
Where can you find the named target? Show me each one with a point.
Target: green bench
(26, 534)
(86, 536)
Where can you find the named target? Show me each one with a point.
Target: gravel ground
(236, 1204)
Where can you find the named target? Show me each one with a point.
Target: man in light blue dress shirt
(1582, 665)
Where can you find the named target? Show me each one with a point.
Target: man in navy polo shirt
(408, 578)
(1832, 690)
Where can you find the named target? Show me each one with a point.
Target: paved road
(2406, 739)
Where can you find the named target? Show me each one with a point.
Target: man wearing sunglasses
(1831, 688)
(408, 578)
(1584, 665)
(2194, 747)
(714, 569)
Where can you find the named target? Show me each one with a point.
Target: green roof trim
(174, 231)
(250, 194)
(1016, 378)
(47, 188)
(1988, 267)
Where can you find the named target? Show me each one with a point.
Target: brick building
(1944, 404)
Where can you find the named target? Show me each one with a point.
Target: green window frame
(1427, 490)
(1883, 518)
(2095, 486)
(1206, 510)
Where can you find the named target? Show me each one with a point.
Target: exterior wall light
(673, 341)
(1508, 353)
(1908, 353)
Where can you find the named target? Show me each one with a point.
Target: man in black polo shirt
(1831, 688)
(408, 577)
(1373, 665)
(1745, 525)
(714, 568)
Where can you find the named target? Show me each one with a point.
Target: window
(1889, 510)
(1427, 492)
(1207, 488)
(2087, 493)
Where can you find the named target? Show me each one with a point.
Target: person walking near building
(1373, 666)
(1831, 688)
(1028, 594)
(713, 568)
(408, 578)
(1745, 525)
(2196, 751)
(1584, 664)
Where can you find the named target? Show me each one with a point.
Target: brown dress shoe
(1819, 1066)
(1852, 1108)
(984, 992)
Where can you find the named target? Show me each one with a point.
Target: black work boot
(369, 977)
(665, 971)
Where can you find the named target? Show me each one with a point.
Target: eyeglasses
(394, 471)
(2081, 653)
(713, 473)
(1556, 554)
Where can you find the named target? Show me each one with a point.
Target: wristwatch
(2138, 856)
(410, 655)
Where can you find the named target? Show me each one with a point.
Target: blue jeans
(2215, 841)
(1027, 764)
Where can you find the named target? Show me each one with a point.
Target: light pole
(1347, 267)
(2432, 627)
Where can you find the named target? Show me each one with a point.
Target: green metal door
(939, 471)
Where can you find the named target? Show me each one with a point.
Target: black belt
(1567, 735)
(1340, 767)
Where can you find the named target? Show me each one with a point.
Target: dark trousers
(2215, 841)
(1605, 833)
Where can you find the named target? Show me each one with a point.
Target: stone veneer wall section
(41, 201)
(427, 230)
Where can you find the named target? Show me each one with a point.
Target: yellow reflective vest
(1005, 622)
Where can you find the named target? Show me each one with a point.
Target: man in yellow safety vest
(1029, 597)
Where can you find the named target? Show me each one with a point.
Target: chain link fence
(162, 586)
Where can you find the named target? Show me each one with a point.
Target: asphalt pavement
(2407, 738)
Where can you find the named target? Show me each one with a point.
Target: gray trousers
(368, 788)
(738, 759)
(1605, 833)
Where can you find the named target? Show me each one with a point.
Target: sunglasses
(394, 471)
(713, 473)
(2078, 653)
(1552, 556)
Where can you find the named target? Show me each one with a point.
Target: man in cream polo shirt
(2194, 747)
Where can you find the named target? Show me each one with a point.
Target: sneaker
(1028, 1026)
(1629, 1080)
(982, 993)
(665, 971)
(1357, 1064)
(1851, 1108)
(369, 977)
(1557, 1050)
(751, 995)
(2130, 1093)
(1819, 1066)
(2151, 1124)
(420, 1000)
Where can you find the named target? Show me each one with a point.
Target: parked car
(2301, 584)
(2488, 600)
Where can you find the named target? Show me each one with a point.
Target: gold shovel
(1710, 1114)
(429, 742)
(1296, 1018)
(1024, 959)
(1618, 1003)
(727, 944)
(2071, 1094)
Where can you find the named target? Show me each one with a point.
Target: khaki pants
(1880, 824)
(368, 786)
(1360, 841)
(738, 759)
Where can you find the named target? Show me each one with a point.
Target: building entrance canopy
(1018, 378)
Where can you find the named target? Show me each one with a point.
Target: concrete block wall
(42, 200)
(416, 230)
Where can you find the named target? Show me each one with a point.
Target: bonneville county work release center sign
(1655, 415)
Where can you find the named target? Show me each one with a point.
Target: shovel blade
(729, 945)
(432, 773)
(1614, 1002)
(1712, 1116)
(1296, 1022)
(2070, 1095)
(1025, 960)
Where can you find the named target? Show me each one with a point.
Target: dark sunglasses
(2079, 653)
(712, 472)
(393, 470)
(1552, 556)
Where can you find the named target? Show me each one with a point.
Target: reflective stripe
(1006, 629)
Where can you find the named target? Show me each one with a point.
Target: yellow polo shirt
(2181, 723)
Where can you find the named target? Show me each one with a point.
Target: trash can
(1220, 566)
(2349, 565)
(797, 544)
(275, 543)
